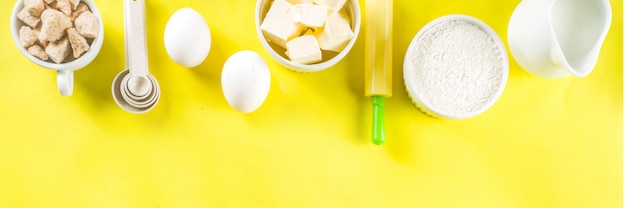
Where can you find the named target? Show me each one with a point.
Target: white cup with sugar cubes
(308, 35)
(61, 35)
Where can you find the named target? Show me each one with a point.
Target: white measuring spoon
(135, 89)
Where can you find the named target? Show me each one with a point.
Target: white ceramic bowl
(423, 99)
(63, 68)
(354, 11)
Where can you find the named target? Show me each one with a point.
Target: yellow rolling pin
(378, 67)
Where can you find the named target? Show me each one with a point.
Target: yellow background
(545, 143)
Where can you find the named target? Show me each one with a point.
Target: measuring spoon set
(135, 89)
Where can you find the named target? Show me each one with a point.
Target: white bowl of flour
(456, 67)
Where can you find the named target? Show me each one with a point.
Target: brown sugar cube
(53, 25)
(79, 10)
(87, 25)
(78, 42)
(34, 7)
(63, 6)
(28, 36)
(44, 43)
(38, 52)
(74, 4)
(58, 50)
(69, 59)
(27, 18)
(37, 31)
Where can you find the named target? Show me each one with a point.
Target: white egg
(187, 38)
(245, 81)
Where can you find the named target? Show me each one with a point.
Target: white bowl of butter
(308, 35)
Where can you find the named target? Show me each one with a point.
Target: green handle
(378, 120)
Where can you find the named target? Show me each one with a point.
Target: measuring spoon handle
(135, 37)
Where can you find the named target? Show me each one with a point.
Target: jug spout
(584, 65)
(579, 29)
(557, 38)
(579, 67)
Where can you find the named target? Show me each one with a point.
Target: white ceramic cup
(354, 11)
(556, 38)
(65, 71)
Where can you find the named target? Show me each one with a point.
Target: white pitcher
(556, 38)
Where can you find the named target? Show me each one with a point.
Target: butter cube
(308, 15)
(332, 5)
(279, 7)
(304, 50)
(308, 32)
(277, 26)
(344, 14)
(300, 1)
(336, 33)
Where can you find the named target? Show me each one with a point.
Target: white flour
(457, 67)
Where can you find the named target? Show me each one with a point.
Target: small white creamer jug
(556, 38)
